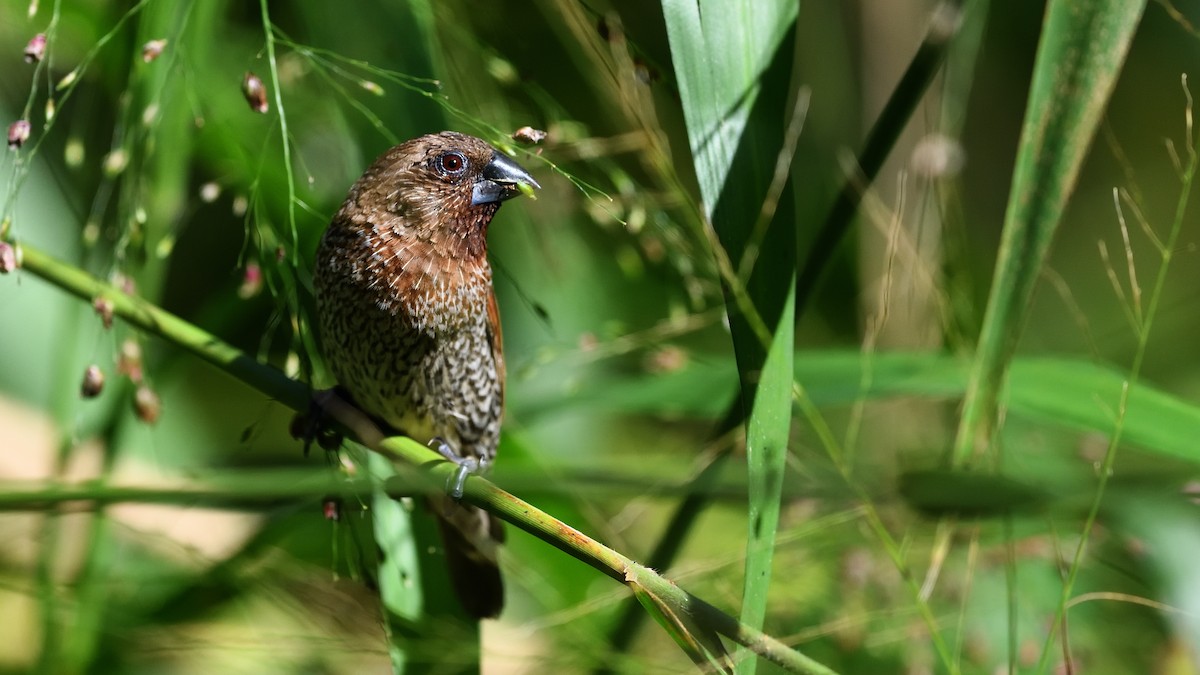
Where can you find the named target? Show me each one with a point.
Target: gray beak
(499, 181)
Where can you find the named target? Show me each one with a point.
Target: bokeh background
(158, 176)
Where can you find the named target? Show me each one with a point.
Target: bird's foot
(314, 424)
(465, 466)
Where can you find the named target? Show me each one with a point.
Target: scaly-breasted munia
(409, 325)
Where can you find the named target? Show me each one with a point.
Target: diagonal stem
(434, 470)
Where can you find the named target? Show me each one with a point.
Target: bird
(408, 323)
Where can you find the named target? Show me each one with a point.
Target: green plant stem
(1108, 465)
(285, 139)
(242, 490)
(434, 470)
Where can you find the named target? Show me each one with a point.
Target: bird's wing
(497, 341)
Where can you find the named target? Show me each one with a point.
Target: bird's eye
(452, 163)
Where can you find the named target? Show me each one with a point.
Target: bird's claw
(464, 467)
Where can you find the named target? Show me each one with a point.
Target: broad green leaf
(1067, 393)
(1082, 49)
(1073, 394)
(733, 62)
(399, 565)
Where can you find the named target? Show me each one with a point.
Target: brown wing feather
(497, 341)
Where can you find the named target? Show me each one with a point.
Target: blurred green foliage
(620, 360)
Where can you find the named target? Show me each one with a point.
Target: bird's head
(441, 188)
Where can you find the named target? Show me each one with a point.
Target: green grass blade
(733, 63)
(1082, 49)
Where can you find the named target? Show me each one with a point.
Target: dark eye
(452, 163)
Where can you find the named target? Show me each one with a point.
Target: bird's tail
(472, 537)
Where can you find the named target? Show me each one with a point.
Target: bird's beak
(502, 179)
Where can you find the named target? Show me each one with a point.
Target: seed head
(667, 359)
(74, 153)
(124, 282)
(146, 404)
(115, 162)
(129, 361)
(152, 49)
(252, 280)
(35, 49)
(104, 308)
(938, 156)
(18, 133)
(332, 506)
(93, 382)
(529, 135)
(209, 192)
(255, 92)
(8, 257)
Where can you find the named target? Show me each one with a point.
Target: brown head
(444, 188)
